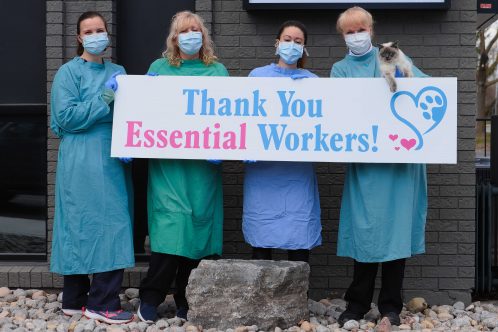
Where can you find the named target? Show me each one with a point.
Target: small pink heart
(396, 148)
(393, 137)
(408, 143)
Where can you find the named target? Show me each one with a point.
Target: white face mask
(358, 43)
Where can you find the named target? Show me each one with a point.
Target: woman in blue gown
(92, 225)
(281, 201)
(384, 206)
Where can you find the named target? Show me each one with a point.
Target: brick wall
(440, 42)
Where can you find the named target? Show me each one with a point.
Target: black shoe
(182, 313)
(347, 316)
(393, 318)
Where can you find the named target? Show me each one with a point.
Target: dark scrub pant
(163, 270)
(302, 255)
(101, 295)
(359, 295)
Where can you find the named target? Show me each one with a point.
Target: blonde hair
(354, 15)
(172, 52)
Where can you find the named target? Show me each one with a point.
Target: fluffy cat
(390, 57)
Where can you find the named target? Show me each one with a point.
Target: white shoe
(72, 312)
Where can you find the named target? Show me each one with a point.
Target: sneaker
(147, 312)
(347, 315)
(72, 312)
(110, 317)
(182, 313)
(393, 318)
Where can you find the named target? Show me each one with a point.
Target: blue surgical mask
(290, 52)
(96, 43)
(358, 43)
(190, 42)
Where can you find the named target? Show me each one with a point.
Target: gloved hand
(214, 161)
(111, 82)
(152, 74)
(298, 76)
(398, 73)
(125, 160)
(249, 161)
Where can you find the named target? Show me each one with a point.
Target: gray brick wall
(440, 42)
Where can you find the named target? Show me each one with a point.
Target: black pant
(302, 255)
(140, 229)
(359, 295)
(101, 295)
(163, 269)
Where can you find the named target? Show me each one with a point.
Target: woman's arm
(68, 111)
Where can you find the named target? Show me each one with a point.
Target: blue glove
(111, 82)
(249, 161)
(214, 161)
(152, 74)
(298, 76)
(125, 160)
(398, 73)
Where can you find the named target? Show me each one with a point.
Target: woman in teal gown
(92, 227)
(384, 206)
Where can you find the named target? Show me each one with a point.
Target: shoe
(147, 312)
(393, 318)
(72, 312)
(182, 313)
(347, 316)
(110, 317)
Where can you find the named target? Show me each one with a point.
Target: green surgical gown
(185, 197)
(384, 206)
(92, 225)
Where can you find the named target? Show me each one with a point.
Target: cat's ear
(395, 44)
(380, 46)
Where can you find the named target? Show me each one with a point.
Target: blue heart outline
(416, 100)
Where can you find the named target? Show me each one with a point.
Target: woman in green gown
(185, 198)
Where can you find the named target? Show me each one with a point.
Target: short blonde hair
(354, 15)
(172, 52)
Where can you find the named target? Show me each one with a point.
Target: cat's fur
(390, 57)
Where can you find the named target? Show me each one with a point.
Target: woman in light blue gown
(281, 201)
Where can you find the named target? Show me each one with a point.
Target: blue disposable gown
(281, 201)
(384, 206)
(92, 225)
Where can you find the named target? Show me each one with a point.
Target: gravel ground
(35, 310)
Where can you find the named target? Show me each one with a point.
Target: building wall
(441, 43)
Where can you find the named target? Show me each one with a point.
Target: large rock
(229, 293)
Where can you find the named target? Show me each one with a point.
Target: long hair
(84, 16)
(302, 61)
(172, 52)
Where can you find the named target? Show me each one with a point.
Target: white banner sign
(313, 119)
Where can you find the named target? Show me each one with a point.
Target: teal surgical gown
(384, 206)
(281, 201)
(92, 225)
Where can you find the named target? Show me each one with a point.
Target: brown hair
(302, 61)
(172, 52)
(84, 16)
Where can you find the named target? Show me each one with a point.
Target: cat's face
(389, 52)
